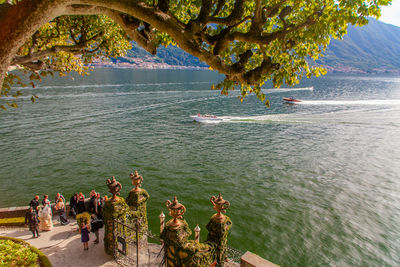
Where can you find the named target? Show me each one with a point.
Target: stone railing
(252, 260)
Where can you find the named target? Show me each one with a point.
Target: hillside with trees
(374, 48)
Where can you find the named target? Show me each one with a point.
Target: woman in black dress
(81, 203)
(73, 204)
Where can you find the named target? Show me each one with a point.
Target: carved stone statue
(114, 188)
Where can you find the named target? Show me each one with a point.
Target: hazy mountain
(165, 58)
(372, 48)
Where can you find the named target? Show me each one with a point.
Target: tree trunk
(18, 23)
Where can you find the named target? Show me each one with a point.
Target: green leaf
(267, 104)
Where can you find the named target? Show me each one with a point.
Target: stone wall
(14, 212)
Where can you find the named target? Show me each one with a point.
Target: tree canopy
(249, 41)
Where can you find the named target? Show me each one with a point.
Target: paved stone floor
(62, 245)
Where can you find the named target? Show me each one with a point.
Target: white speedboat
(206, 118)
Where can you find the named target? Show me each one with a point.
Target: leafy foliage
(83, 217)
(16, 254)
(68, 43)
(16, 221)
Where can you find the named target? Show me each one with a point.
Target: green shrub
(17, 221)
(83, 217)
(17, 252)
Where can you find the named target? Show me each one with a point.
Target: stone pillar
(218, 228)
(218, 236)
(174, 239)
(112, 210)
(136, 201)
(137, 207)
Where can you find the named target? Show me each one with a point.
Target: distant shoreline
(163, 66)
(149, 66)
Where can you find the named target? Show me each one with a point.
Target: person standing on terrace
(45, 217)
(60, 207)
(58, 196)
(81, 203)
(31, 219)
(45, 200)
(35, 204)
(84, 229)
(98, 204)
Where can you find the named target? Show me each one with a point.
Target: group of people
(95, 225)
(77, 204)
(41, 218)
(95, 203)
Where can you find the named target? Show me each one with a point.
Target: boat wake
(351, 102)
(278, 90)
(280, 118)
(84, 86)
(372, 116)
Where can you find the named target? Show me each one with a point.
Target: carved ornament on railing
(220, 205)
(176, 210)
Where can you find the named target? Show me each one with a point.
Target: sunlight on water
(350, 102)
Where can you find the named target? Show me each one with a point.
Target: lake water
(314, 184)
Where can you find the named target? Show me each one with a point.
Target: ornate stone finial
(136, 180)
(197, 233)
(176, 210)
(114, 188)
(220, 205)
(162, 221)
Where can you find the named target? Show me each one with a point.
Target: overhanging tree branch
(247, 40)
(129, 23)
(74, 49)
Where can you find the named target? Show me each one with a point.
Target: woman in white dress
(45, 217)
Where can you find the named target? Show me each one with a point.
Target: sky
(391, 14)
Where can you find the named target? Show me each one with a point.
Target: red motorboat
(291, 100)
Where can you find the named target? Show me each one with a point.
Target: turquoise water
(315, 184)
